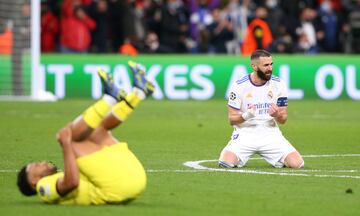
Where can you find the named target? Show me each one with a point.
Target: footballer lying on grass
(98, 169)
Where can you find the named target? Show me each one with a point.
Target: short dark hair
(259, 53)
(24, 184)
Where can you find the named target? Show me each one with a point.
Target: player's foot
(140, 80)
(109, 86)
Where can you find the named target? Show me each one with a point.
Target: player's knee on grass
(224, 164)
(294, 160)
(228, 160)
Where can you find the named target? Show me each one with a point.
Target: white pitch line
(319, 156)
(331, 155)
(267, 173)
(196, 165)
(290, 170)
(148, 170)
(253, 172)
(206, 170)
(8, 171)
(327, 171)
(176, 171)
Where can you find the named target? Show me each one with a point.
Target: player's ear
(33, 180)
(254, 66)
(33, 183)
(254, 63)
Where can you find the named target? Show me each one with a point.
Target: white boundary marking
(283, 172)
(196, 167)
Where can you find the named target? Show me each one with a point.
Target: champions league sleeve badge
(232, 96)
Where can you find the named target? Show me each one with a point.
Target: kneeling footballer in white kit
(257, 104)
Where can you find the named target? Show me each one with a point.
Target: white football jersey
(244, 93)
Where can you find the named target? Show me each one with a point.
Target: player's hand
(64, 136)
(274, 110)
(279, 113)
(249, 114)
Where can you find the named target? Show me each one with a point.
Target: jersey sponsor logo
(259, 105)
(261, 108)
(232, 96)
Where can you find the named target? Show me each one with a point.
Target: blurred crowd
(200, 26)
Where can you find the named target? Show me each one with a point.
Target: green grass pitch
(165, 134)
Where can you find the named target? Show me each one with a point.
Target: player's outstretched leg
(142, 89)
(83, 126)
(140, 80)
(109, 87)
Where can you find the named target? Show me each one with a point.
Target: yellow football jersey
(111, 175)
(84, 194)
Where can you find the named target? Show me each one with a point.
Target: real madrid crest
(270, 94)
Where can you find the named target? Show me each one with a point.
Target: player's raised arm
(70, 181)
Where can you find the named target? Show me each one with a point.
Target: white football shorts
(269, 143)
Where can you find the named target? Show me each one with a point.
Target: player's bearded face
(264, 74)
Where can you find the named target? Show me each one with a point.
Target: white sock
(109, 99)
(140, 93)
